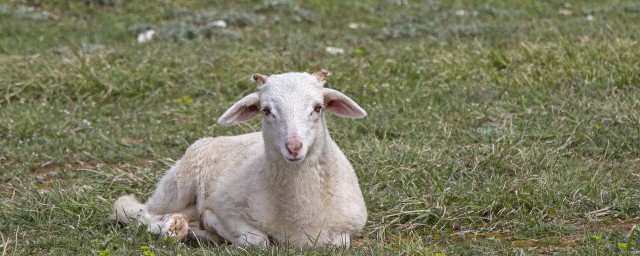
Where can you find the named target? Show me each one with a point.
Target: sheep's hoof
(176, 226)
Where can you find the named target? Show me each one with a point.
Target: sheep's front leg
(234, 229)
(170, 225)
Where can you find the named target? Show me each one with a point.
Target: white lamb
(289, 183)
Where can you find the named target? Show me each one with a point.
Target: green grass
(511, 128)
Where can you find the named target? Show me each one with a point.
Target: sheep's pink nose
(293, 146)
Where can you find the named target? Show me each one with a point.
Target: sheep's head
(292, 106)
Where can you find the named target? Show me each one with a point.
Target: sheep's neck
(301, 193)
(300, 185)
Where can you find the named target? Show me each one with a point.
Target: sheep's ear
(322, 74)
(260, 79)
(341, 105)
(241, 111)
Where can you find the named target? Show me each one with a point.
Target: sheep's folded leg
(235, 230)
(198, 233)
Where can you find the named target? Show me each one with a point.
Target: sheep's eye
(317, 109)
(266, 111)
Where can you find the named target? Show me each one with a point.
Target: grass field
(494, 127)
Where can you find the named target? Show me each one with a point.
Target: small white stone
(357, 25)
(146, 36)
(334, 50)
(460, 13)
(141, 38)
(589, 17)
(219, 24)
(565, 12)
(149, 34)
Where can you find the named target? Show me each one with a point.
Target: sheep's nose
(293, 146)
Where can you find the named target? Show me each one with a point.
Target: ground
(494, 127)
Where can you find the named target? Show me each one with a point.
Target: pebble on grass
(334, 50)
(146, 37)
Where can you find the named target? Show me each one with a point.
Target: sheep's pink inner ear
(341, 105)
(241, 111)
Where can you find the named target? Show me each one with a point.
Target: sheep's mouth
(293, 159)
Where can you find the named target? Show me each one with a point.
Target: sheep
(288, 184)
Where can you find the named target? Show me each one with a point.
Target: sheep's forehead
(291, 88)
